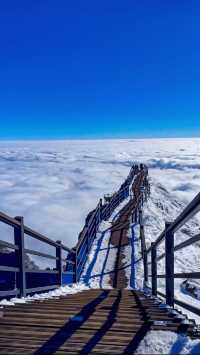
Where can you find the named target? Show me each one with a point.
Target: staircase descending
(96, 321)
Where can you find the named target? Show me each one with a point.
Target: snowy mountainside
(165, 206)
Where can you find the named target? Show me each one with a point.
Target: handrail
(13, 222)
(168, 236)
(191, 210)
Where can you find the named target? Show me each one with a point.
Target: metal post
(145, 268)
(154, 268)
(19, 241)
(169, 259)
(136, 215)
(140, 218)
(76, 266)
(100, 209)
(59, 262)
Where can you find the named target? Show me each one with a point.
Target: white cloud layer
(55, 184)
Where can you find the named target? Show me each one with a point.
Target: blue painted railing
(18, 280)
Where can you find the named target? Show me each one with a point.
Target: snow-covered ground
(62, 291)
(133, 259)
(162, 342)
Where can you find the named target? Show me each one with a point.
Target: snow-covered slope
(163, 206)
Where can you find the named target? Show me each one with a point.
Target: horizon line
(94, 138)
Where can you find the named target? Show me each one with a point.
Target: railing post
(154, 268)
(59, 262)
(169, 271)
(143, 247)
(76, 266)
(136, 215)
(100, 209)
(19, 241)
(140, 218)
(145, 268)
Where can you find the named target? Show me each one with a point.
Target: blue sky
(90, 69)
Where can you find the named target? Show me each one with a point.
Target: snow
(101, 260)
(59, 292)
(164, 342)
(132, 260)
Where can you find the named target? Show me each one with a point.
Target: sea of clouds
(54, 184)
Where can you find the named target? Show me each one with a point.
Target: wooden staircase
(93, 321)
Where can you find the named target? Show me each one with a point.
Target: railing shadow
(86, 278)
(65, 332)
(105, 327)
(139, 336)
(105, 262)
(133, 273)
(116, 267)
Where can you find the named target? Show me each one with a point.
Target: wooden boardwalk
(119, 236)
(94, 321)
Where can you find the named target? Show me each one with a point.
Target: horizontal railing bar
(82, 239)
(160, 257)
(91, 221)
(41, 271)
(182, 304)
(82, 261)
(187, 275)
(9, 268)
(9, 293)
(182, 275)
(68, 273)
(9, 220)
(82, 247)
(187, 306)
(8, 245)
(40, 237)
(161, 294)
(182, 245)
(40, 289)
(14, 223)
(81, 258)
(191, 210)
(44, 239)
(187, 242)
(38, 253)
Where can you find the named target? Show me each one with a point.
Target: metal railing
(18, 280)
(168, 237)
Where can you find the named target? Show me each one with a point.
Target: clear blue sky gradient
(109, 68)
